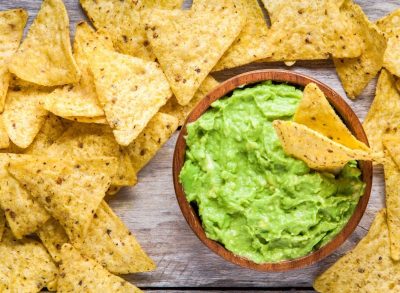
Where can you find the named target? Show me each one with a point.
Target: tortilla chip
(367, 268)
(146, 145)
(316, 150)
(251, 44)
(392, 191)
(91, 141)
(86, 41)
(95, 120)
(51, 130)
(390, 27)
(108, 242)
(130, 90)
(53, 236)
(294, 34)
(188, 44)
(173, 108)
(24, 115)
(384, 113)
(121, 20)
(25, 265)
(391, 58)
(111, 244)
(80, 99)
(4, 139)
(12, 23)
(24, 214)
(69, 190)
(356, 73)
(316, 113)
(2, 223)
(78, 272)
(73, 101)
(45, 56)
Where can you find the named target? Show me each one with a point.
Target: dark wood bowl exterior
(341, 108)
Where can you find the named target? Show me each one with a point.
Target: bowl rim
(343, 110)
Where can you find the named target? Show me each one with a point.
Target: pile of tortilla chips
(318, 136)
(78, 122)
(368, 267)
(373, 265)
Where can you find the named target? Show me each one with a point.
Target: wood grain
(299, 80)
(151, 211)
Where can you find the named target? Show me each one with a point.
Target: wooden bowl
(341, 108)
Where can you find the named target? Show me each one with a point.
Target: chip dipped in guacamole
(254, 199)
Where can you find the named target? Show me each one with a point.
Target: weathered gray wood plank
(151, 211)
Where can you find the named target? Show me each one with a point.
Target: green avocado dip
(254, 199)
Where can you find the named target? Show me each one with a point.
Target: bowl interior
(343, 110)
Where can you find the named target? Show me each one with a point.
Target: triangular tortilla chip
(309, 30)
(152, 138)
(121, 20)
(51, 130)
(188, 44)
(91, 141)
(390, 26)
(25, 265)
(356, 73)
(316, 150)
(80, 99)
(45, 56)
(108, 242)
(111, 244)
(130, 90)
(367, 268)
(2, 223)
(12, 23)
(251, 44)
(23, 114)
(73, 101)
(79, 273)
(392, 191)
(315, 112)
(173, 108)
(24, 214)
(4, 139)
(384, 113)
(69, 190)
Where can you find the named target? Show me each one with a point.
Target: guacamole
(257, 201)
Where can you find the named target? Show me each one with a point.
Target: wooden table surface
(150, 209)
